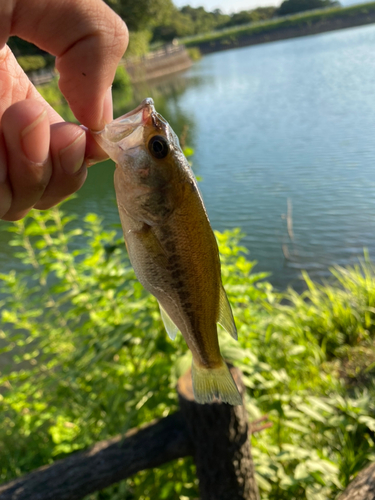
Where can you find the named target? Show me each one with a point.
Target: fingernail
(108, 106)
(35, 139)
(71, 157)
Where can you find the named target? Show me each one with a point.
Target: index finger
(88, 40)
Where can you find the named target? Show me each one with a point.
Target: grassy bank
(303, 23)
(106, 364)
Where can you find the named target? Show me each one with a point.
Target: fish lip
(142, 112)
(125, 125)
(127, 133)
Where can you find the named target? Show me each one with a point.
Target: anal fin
(226, 319)
(168, 323)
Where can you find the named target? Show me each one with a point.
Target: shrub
(84, 356)
(31, 63)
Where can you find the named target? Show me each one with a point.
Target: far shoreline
(283, 28)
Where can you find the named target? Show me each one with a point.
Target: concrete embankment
(165, 61)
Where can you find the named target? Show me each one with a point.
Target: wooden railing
(164, 61)
(41, 77)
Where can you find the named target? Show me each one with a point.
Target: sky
(229, 6)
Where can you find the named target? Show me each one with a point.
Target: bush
(51, 93)
(293, 6)
(84, 356)
(139, 43)
(31, 63)
(194, 53)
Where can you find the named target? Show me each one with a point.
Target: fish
(170, 242)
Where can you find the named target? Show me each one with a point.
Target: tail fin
(214, 382)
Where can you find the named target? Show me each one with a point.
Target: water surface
(293, 120)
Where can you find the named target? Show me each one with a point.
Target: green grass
(84, 356)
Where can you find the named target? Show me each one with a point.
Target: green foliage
(233, 35)
(139, 43)
(178, 25)
(122, 90)
(141, 14)
(194, 53)
(187, 21)
(293, 6)
(21, 47)
(204, 21)
(31, 63)
(250, 16)
(121, 81)
(51, 93)
(84, 356)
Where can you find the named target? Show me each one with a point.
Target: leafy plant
(51, 93)
(84, 356)
(31, 63)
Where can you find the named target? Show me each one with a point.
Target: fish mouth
(125, 125)
(130, 131)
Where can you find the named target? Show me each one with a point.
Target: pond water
(285, 123)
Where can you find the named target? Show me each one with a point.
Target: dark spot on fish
(165, 231)
(173, 259)
(84, 74)
(188, 305)
(174, 267)
(170, 246)
(179, 284)
(175, 274)
(183, 294)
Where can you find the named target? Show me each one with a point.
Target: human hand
(42, 158)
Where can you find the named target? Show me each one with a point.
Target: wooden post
(220, 436)
(362, 487)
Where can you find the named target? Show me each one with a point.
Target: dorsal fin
(168, 323)
(226, 319)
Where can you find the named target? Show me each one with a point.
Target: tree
(251, 16)
(204, 21)
(142, 14)
(179, 25)
(294, 6)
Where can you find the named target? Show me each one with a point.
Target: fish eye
(158, 146)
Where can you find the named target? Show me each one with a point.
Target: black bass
(170, 241)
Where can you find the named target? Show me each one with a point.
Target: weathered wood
(220, 434)
(363, 486)
(104, 464)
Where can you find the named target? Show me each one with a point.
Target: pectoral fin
(168, 323)
(226, 319)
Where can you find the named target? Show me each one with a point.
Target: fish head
(142, 144)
